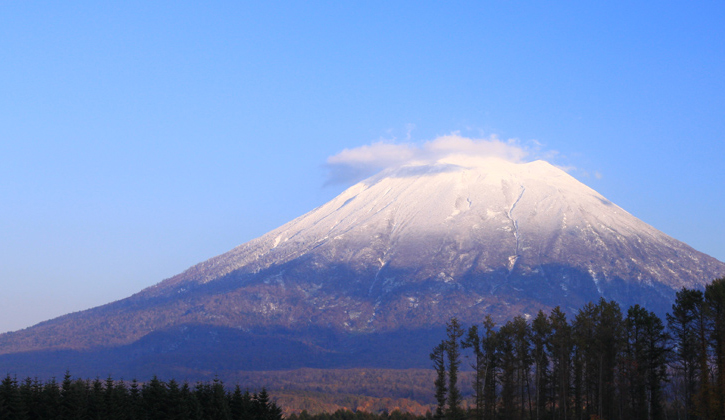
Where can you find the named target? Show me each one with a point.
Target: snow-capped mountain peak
(386, 263)
(496, 231)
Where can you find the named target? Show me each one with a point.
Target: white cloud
(351, 165)
(378, 154)
(454, 144)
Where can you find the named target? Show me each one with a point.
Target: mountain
(370, 278)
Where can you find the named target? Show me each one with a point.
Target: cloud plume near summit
(352, 165)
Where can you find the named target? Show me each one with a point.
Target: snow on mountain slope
(482, 225)
(399, 253)
(484, 217)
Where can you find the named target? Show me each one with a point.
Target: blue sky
(140, 138)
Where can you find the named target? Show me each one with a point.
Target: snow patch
(596, 280)
(515, 223)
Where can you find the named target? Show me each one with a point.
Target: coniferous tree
(645, 359)
(509, 385)
(8, 398)
(715, 306)
(682, 323)
(260, 404)
(561, 351)
(473, 341)
(608, 341)
(522, 340)
(633, 366)
(218, 405)
(153, 398)
(239, 404)
(583, 359)
(540, 338)
(96, 400)
(441, 390)
(109, 401)
(597, 336)
(123, 402)
(92, 399)
(455, 332)
(268, 409)
(73, 398)
(602, 365)
(658, 354)
(202, 394)
(50, 400)
(134, 400)
(191, 403)
(4, 409)
(704, 398)
(29, 395)
(491, 353)
(176, 408)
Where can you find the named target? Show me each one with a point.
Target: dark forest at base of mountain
(95, 399)
(601, 364)
(604, 364)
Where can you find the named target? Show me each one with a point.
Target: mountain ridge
(404, 250)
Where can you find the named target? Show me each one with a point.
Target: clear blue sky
(140, 138)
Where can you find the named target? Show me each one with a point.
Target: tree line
(602, 364)
(78, 399)
(358, 415)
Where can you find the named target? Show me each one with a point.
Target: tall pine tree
(453, 351)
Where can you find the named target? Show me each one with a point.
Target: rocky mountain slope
(383, 265)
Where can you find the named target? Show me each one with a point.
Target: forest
(602, 364)
(78, 399)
